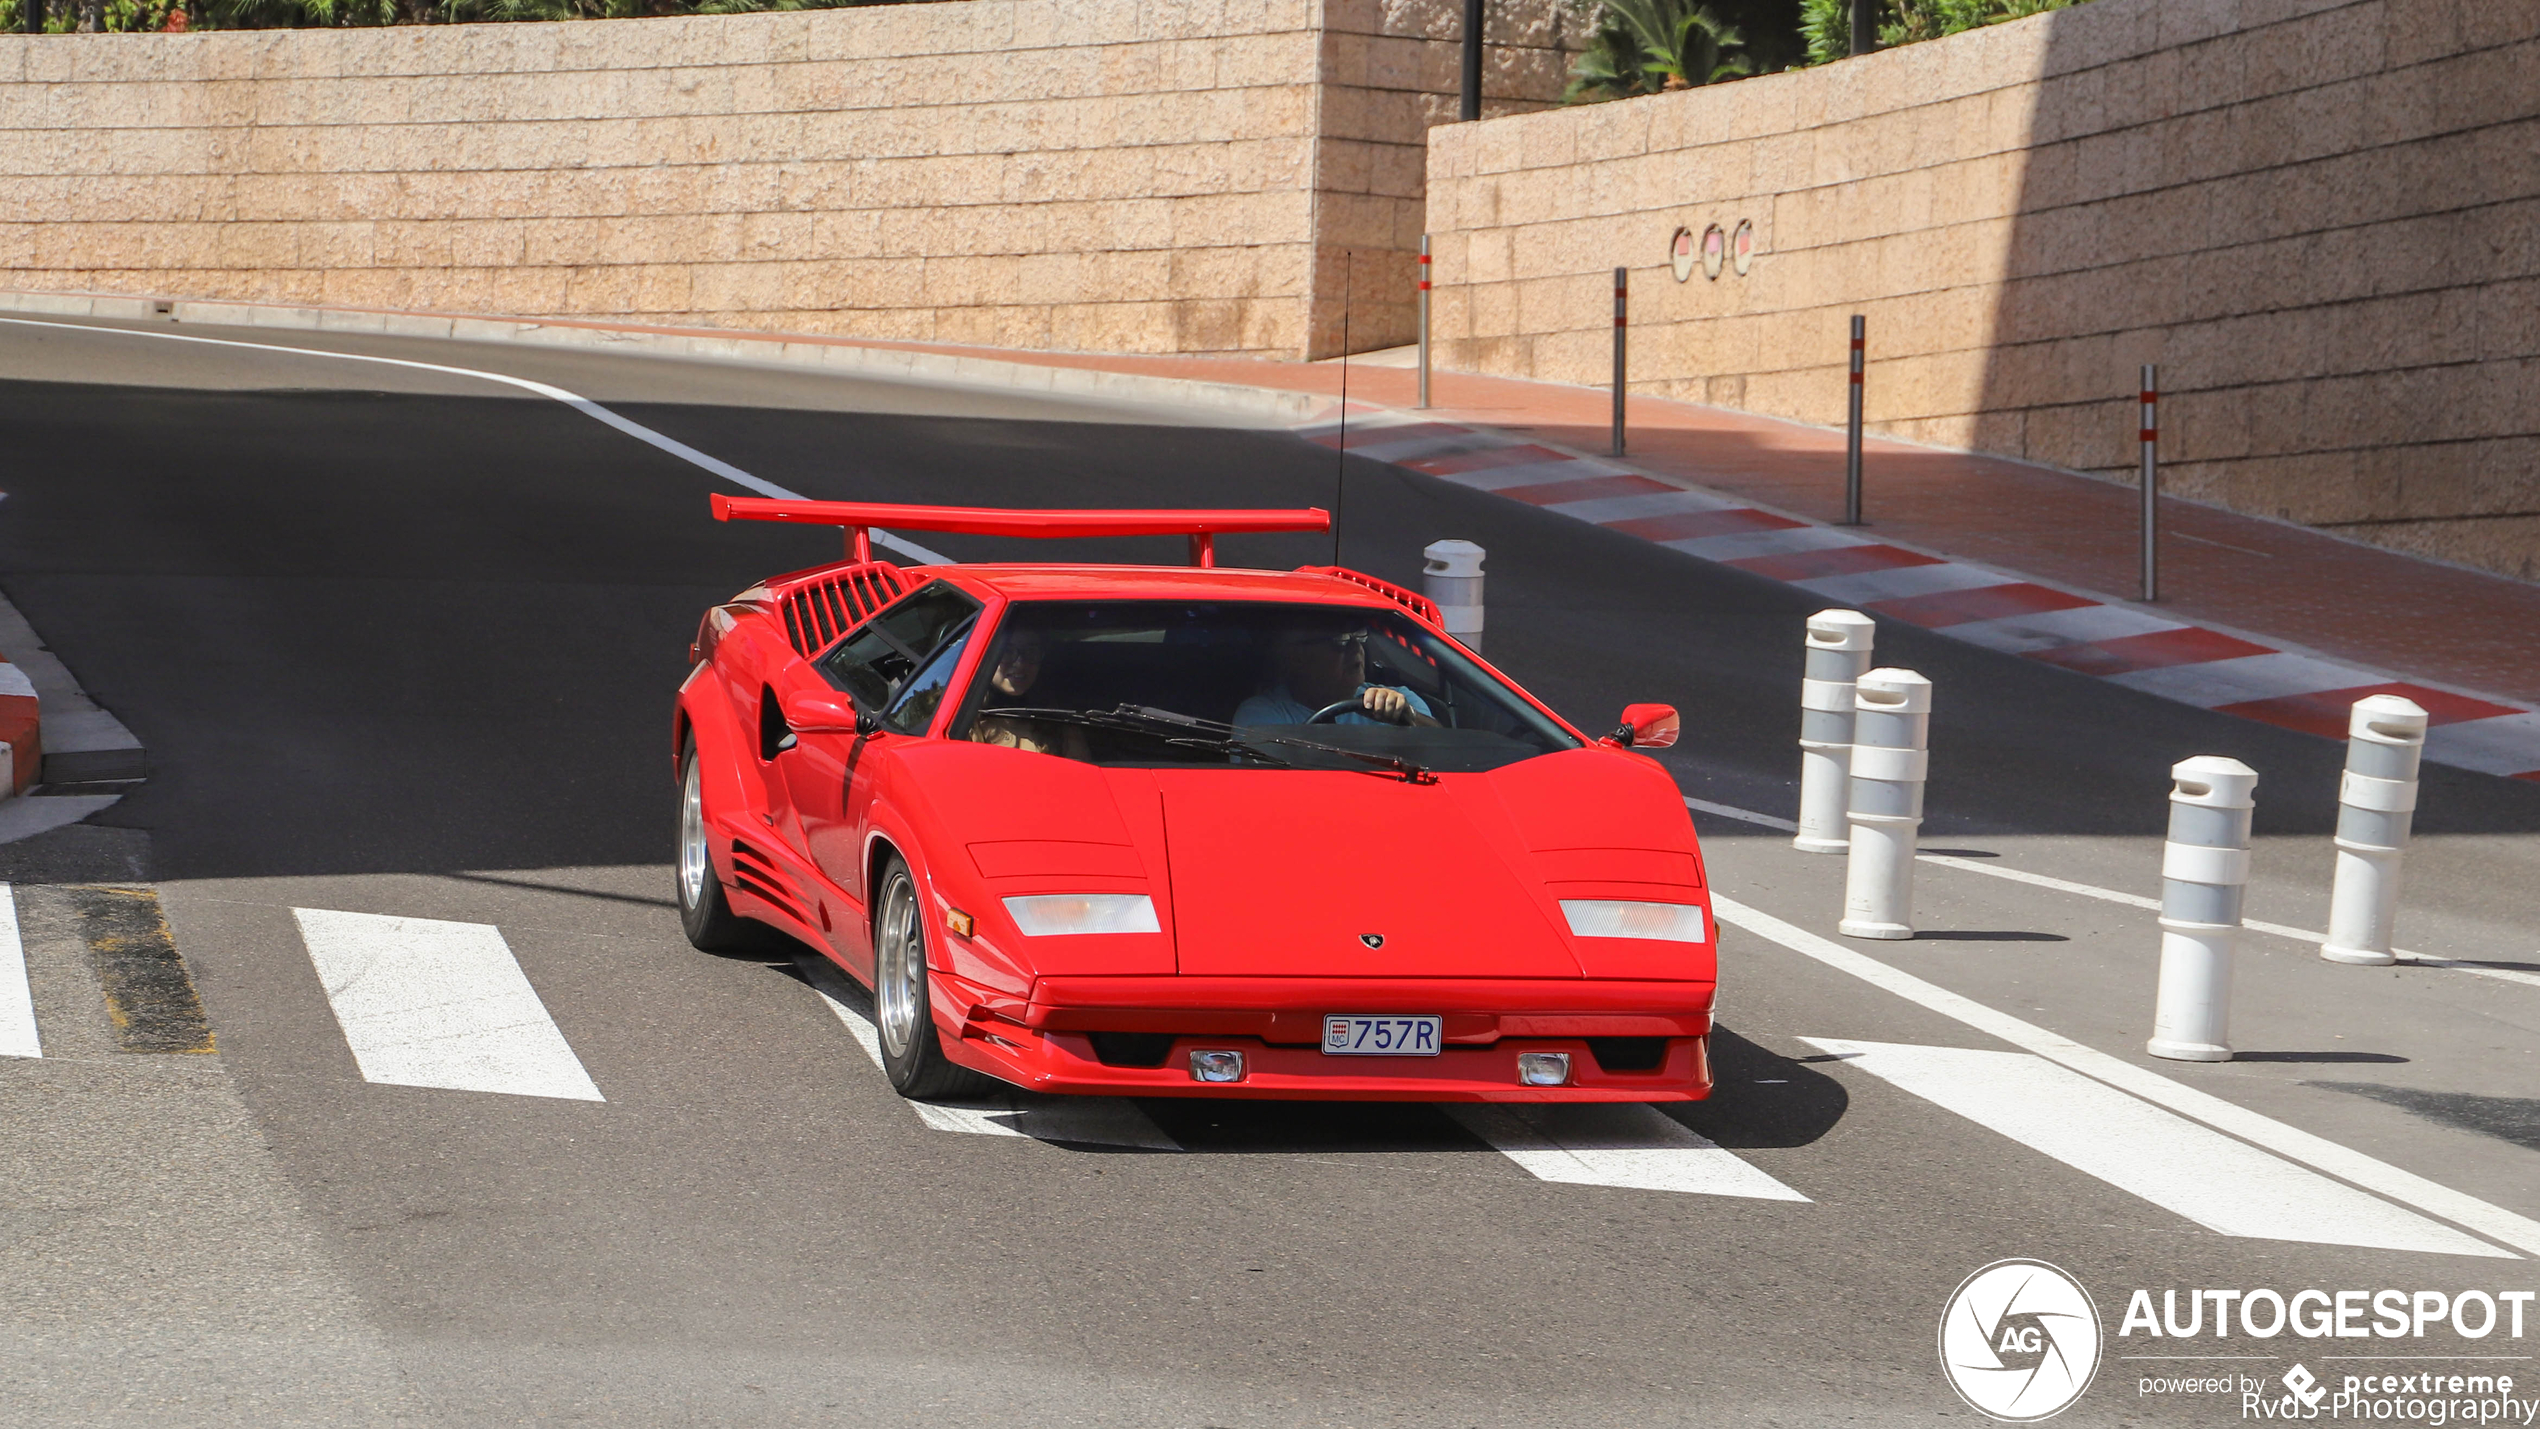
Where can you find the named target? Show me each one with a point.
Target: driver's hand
(1387, 704)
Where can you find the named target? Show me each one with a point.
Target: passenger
(1017, 669)
(1312, 669)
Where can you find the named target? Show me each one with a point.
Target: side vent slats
(828, 605)
(755, 874)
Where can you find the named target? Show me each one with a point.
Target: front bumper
(1043, 1044)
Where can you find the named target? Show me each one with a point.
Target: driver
(1312, 669)
(1016, 671)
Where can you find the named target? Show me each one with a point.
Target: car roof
(1048, 582)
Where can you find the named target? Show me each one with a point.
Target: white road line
(1623, 1144)
(17, 998)
(2130, 900)
(426, 1003)
(2223, 1185)
(576, 401)
(1749, 816)
(1091, 1121)
(2316, 1152)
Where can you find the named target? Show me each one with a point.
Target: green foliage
(61, 17)
(1644, 46)
(1827, 24)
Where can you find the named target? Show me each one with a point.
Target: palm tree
(1644, 46)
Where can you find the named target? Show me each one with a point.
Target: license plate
(1356, 1035)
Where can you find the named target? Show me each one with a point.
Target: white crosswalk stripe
(2221, 1184)
(426, 1003)
(17, 1000)
(1090, 1121)
(1621, 1144)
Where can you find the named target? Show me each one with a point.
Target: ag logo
(2020, 1340)
(1372, 940)
(2305, 1385)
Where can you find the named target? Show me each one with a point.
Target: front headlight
(1050, 915)
(1615, 918)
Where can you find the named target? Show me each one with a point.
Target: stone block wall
(2321, 218)
(1058, 174)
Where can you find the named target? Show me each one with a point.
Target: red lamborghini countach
(1185, 831)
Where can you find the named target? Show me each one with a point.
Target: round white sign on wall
(1680, 254)
(1742, 246)
(1715, 251)
(2020, 1341)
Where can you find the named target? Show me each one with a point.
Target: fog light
(1534, 1069)
(1229, 1066)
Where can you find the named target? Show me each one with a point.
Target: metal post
(2204, 872)
(2376, 804)
(1452, 580)
(1424, 321)
(1838, 655)
(1865, 26)
(1852, 437)
(1891, 731)
(1622, 289)
(2151, 437)
(1472, 107)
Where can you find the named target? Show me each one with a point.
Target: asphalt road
(402, 643)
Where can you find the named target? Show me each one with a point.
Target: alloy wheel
(695, 864)
(901, 960)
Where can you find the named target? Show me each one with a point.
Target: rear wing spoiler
(860, 517)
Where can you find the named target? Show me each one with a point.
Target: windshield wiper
(1411, 773)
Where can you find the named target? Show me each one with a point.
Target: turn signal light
(958, 921)
(1536, 1069)
(1219, 1066)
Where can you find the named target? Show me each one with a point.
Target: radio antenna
(1340, 463)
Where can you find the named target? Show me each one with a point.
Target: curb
(2207, 666)
(68, 739)
(21, 728)
(867, 358)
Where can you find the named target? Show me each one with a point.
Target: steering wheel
(1331, 713)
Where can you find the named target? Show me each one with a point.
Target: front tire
(705, 914)
(903, 1012)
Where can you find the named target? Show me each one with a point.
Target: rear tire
(912, 1055)
(705, 914)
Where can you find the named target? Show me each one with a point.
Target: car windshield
(1246, 684)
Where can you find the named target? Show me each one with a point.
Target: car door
(897, 667)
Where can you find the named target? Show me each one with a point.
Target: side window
(878, 662)
(923, 693)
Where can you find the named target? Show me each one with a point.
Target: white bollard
(1838, 651)
(2204, 871)
(1452, 580)
(1891, 723)
(2376, 804)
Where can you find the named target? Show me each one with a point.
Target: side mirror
(1646, 727)
(825, 712)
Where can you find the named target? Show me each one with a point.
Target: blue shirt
(1280, 707)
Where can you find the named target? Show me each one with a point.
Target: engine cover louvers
(827, 606)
